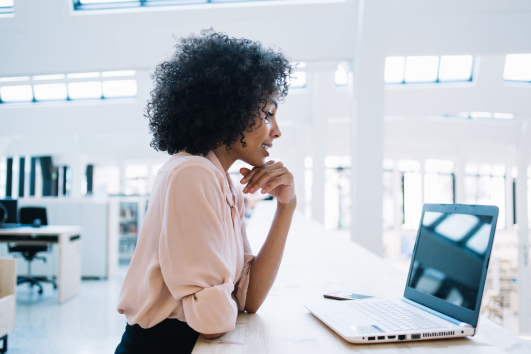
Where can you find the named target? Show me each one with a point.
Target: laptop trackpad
(351, 318)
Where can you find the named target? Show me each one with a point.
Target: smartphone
(346, 296)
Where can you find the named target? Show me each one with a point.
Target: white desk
(315, 262)
(69, 240)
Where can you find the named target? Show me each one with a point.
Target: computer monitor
(12, 211)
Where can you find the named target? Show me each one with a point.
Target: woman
(214, 102)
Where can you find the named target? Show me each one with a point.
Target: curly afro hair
(211, 91)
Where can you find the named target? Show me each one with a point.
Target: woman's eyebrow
(275, 103)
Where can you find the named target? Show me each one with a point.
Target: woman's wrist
(287, 206)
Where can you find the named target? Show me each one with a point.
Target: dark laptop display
(451, 257)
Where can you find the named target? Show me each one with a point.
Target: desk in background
(69, 240)
(98, 218)
(317, 261)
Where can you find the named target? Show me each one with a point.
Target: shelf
(128, 220)
(129, 235)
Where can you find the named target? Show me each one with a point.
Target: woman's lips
(265, 152)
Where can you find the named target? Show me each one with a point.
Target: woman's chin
(259, 163)
(256, 161)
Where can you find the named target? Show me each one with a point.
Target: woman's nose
(275, 131)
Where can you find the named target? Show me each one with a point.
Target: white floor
(85, 324)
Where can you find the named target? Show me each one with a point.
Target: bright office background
(421, 102)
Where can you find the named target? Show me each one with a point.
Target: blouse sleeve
(240, 293)
(193, 251)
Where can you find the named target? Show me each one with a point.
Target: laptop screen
(449, 258)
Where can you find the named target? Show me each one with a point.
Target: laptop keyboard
(392, 316)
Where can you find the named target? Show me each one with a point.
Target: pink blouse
(192, 260)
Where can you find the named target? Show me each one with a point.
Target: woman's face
(260, 139)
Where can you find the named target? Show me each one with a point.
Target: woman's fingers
(244, 171)
(248, 174)
(284, 179)
(261, 176)
(260, 180)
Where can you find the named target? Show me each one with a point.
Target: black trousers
(169, 336)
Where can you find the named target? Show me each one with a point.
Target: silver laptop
(444, 287)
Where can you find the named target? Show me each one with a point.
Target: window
(394, 70)
(136, 179)
(6, 6)
(513, 175)
(388, 197)
(11, 79)
(118, 73)
(456, 68)
(106, 180)
(298, 80)
(74, 86)
(84, 90)
(120, 88)
(421, 69)
(337, 192)
(308, 182)
(428, 69)
(83, 75)
(49, 77)
(439, 182)
(22, 93)
(118, 4)
(85, 2)
(485, 184)
(480, 115)
(341, 76)
(3, 177)
(48, 92)
(412, 192)
(517, 68)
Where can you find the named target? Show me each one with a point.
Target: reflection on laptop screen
(450, 255)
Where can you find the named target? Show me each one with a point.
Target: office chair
(33, 216)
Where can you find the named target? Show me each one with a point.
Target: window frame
(32, 82)
(437, 81)
(78, 6)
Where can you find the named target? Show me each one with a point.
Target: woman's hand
(272, 178)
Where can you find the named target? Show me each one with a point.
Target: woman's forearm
(266, 264)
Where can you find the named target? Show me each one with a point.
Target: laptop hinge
(433, 312)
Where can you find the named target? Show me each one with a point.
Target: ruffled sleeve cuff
(211, 310)
(240, 290)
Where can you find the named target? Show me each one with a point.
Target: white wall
(46, 38)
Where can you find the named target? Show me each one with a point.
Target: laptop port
(381, 337)
(372, 338)
(402, 337)
(415, 336)
(391, 337)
